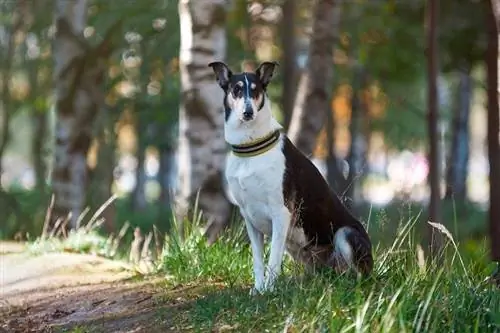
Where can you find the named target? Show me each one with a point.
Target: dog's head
(244, 93)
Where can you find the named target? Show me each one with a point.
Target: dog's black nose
(248, 113)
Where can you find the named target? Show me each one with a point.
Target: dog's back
(325, 221)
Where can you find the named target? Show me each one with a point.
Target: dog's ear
(265, 72)
(222, 72)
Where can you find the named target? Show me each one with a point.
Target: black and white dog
(279, 191)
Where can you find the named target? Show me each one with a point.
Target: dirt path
(77, 293)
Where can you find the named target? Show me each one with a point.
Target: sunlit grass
(77, 241)
(406, 292)
(84, 239)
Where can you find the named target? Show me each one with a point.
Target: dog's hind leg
(352, 249)
(257, 244)
(281, 223)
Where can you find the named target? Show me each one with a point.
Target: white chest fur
(256, 184)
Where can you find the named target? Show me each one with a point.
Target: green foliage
(152, 33)
(462, 33)
(388, 38)
(404, 121)
(22, 212)
(153, 215)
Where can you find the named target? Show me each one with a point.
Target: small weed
(79, 329)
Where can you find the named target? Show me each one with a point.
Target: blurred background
(103, 97)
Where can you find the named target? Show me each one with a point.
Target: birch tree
(201, 147)
(78, 75)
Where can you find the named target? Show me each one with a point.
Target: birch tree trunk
(202, 149)
(78, 76)
(313, 95)
(494, 129)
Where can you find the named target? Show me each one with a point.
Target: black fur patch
(227, 109)
(317, 209)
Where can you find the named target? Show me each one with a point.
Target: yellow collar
(258, 146)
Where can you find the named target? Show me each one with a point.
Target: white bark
(202, 149)
(77, 77)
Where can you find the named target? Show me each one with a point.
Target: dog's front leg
(281, 223)
(257, 243)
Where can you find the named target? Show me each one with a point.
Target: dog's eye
(236, 90)
(253, 92)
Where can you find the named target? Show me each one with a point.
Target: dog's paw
(254, 292)
(269, 285)
(258, 290)
(262, 290)
(269, 288)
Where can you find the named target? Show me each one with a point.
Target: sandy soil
(66, 292)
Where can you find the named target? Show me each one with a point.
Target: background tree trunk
(313, 95)
(103, 174)
(165, 173)
(494, 127)
(39, 121)
(432, 123)
(167, 160)
(143, 130)
(456, 176)
(334, 165)
(139, 202)
(289, 59)
(201, 149)
(78, 75)
(358, 147)
(7, 62)
(39, 88)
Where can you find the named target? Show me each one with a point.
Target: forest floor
(203, 288)
(67, 292)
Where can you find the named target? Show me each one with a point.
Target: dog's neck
(238, 132)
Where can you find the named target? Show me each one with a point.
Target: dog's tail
(352, 249)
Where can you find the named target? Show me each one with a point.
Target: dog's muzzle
(248, 113)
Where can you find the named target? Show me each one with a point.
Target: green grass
(402, 295)
(406, 292)
(77, 241)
